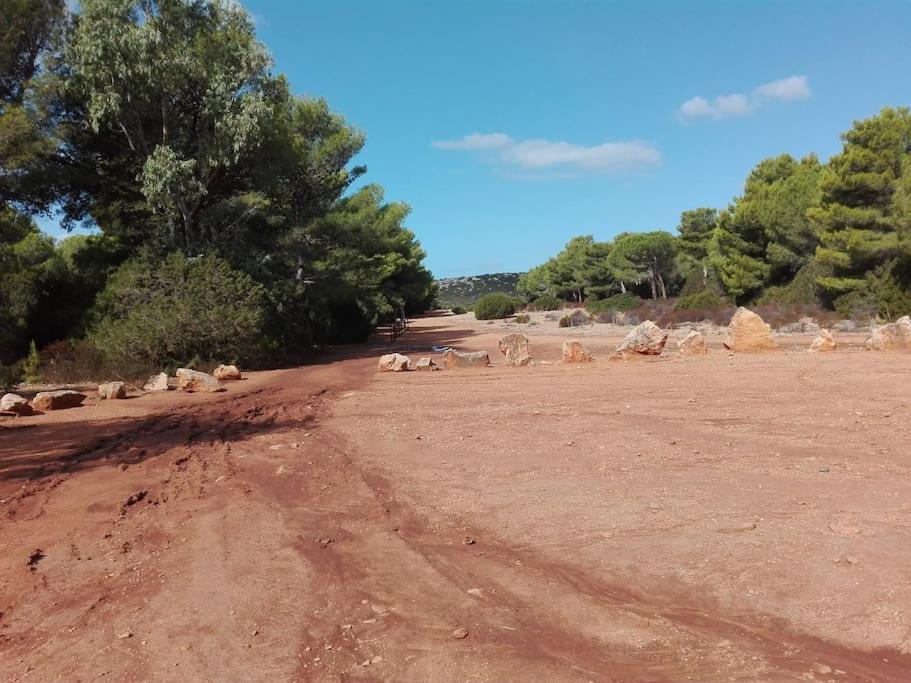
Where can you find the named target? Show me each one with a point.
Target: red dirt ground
(708, 519)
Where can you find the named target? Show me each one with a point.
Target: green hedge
(494, 306)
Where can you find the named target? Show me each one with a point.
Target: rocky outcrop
(747, 332)
(112, 390)
(515, 348)
(824, 342)
(157, 382)
(57, 400)
(227, 373)
(575, 352)
(393, 362)
(646, 339)
(693, 344)
(426, 364)
(14, 403)
(891, 336)
(195, 381)
(452, 359)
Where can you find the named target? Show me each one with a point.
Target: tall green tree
(862, 216)
(649, 256)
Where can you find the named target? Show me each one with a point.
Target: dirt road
(724, 518)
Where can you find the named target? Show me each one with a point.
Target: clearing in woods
(727, 517)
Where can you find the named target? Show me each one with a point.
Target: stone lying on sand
(823, 342)
(748, 332)
(646, 339)
(891, 336)
(57, 400)
(194, 380)
(14, 403)
(226, 373)
(575, 352)
(393, 362)
(515, 348)
(157, 382)
(476, 359)
(693, 344)
(112, 390)
(426, 364)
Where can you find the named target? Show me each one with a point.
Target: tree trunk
(622, 287)
(651, 282)
(663, 288)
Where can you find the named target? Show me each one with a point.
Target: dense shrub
(546, 302)
(458, 310)
(803, 289)
(575, 318)
(705, 299)
(523, 318)
(167, 312)
(626, 301)
(494, 306)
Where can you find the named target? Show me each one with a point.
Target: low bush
(626, 301)
(458, 310)
(162, 312)
(10, 375)
(546, 302)
(705, 299)
(576, 318)
(523, 318)
(494, 306)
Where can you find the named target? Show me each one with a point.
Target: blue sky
(510, 126)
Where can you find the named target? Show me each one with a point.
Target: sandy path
(312, 524)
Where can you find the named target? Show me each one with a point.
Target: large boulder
(14, 403)
(57, 400)
(194, 380)
(426, 364)
(575, 352)
(157, 382)
(693, 344)
(112, 390)
(891, 336)
(226, 373)
(476, 359)
(748, 332)
(824, 342)
(515, 348)
(646, 339)
(393, 362)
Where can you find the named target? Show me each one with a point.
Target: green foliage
(706, 299)
(803, 289)
(458, 310)
(862, 218)
(547, 302)
(494, 306)
(166, 312)
(30, 367)
(523, 318)
(618, 302)
(646, 256)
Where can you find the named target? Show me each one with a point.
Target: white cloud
(476, 141)
(738, 104)
(539, 154)
(787, 89)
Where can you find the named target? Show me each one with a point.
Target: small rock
(575, 352)
(460, 633)
(823, 343)
(157, 382)
(193, 381)
(891, 336)
(646, 339)
(693, 344)
(127, 634)
(476, 359)
(426, 364)
(515, 348)
(748, 332)
(13, 403)
(469, 540)
(393, 362)
(57, 400)
(110, 391)
(227, 373)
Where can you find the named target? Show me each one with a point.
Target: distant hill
(464, 291)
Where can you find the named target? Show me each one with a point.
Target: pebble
(460, 633)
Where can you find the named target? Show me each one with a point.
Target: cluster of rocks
(186, 380)
(747, 332)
